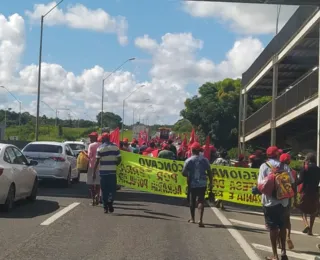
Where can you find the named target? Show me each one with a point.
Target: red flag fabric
(183, 147)
(115, 136)
(207, 151)
(143, 137)
(192, 137)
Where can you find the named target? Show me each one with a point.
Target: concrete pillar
(244, 116)
(240, 133)
(318, 125)
(274, 97)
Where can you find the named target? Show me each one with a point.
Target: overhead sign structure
(273, 2)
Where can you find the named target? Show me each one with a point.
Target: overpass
(288, 71)
(275, 2)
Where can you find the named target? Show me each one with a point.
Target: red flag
(115, 136)
(183, 147)
(192, 137)
(143, 137)
(207, 151)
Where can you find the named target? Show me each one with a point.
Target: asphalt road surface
(62, 225)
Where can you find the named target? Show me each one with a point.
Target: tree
(182, 126)
(110, 120)
(215, 111)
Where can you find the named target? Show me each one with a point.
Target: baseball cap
(125, 140)
(196, 146)
(252, 156)
(285, 157)
(272, 151)
(94, 134)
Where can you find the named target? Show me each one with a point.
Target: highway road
(62, 225)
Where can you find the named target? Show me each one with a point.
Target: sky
(177, 46)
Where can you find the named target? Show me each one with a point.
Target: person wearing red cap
(107, 158)
(273, 208)
(166, 153)
(241, 162)
(286, 159)
(257, 160)
(94, 184)
(197, 170)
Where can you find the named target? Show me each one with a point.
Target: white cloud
(175, 59)
(175, 66)
(79, 16)
(242, 18)
(12, 38)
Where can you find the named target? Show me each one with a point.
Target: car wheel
(77, 179)
(67, 182)
(9, 204)
(34, 192)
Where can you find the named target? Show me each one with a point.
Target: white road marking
(261, 214)
(59, 214)
(289, 253)
(263, 227)
(252, 255)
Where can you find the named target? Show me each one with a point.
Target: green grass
(48, 133)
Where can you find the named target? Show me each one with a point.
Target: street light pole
(123, 104)
(39, 70)
(19, 107)
(102, 94)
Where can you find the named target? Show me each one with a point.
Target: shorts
(198, 194)
(275, 216)
(90, 180)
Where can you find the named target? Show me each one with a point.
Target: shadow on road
(139, 216)
(24, 209)
(129, 195)
(130, 204)
(160, 214)
(254, 230)
(55, 189)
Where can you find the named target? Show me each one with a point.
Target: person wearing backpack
(275, 183)
(286, 159)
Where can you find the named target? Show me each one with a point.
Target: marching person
(94, 184)
(107, 158)
(197, 169)
(309, 202)
(275, 210)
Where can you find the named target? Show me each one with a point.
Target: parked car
(77, 146)
(56, 161)
(18, 178)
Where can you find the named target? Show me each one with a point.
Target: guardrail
(301, 92)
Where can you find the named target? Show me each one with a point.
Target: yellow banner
(164, 177)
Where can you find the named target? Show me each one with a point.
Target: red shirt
(241, 164)
(148, 151)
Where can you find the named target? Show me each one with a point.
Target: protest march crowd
(279, 187)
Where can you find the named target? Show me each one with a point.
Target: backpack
(267, 186)
(282, 182)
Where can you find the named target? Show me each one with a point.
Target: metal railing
(299, 93)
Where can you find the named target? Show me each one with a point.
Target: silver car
(55, 161)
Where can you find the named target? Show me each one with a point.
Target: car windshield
(77, 147)
(43, 148)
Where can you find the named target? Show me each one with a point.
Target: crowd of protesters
(197, 160)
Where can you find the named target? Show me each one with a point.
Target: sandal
(201, 225)
(270, 258)
(306, 230)
(290, 244)
(191, 221)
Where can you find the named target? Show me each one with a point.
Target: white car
(56, 161)
(77, 146)
(18, 179)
